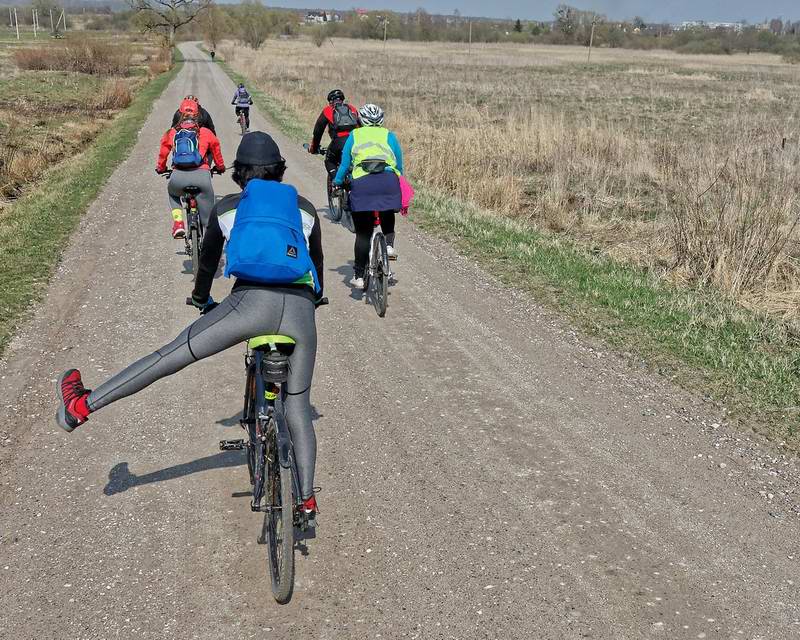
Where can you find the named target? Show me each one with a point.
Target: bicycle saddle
(273, 344)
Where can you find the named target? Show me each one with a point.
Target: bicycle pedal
(231, 445)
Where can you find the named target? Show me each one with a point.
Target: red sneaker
(73, 410)
(178, 230)
(309, 506)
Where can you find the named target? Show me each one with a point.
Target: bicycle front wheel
(280, 524)
(334, 202)
(379, 278)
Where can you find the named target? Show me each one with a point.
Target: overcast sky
(651, 10)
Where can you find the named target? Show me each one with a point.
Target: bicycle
(270, 457)
(337, 196)
(193, 236)
(377, 274)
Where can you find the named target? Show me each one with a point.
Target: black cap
(258, 147)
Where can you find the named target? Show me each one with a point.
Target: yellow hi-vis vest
(371, 143)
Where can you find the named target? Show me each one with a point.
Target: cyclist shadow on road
(187, 265)
(346, 271)
(120, 479)
(325, 212)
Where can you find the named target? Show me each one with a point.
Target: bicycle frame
(269, 410)
(193, 221)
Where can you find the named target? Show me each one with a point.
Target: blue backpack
(267, 243)
(186, 150)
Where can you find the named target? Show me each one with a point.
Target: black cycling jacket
(204, 120)
(214, 241)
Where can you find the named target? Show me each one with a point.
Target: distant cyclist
(203, 118)
(376, 160)
(193, 148)
(213, 54)
(268, 297)
(243, 102)
(339, 118)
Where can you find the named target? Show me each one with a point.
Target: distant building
(321, 17)
(710, 26)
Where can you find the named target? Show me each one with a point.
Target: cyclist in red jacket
(195, 173)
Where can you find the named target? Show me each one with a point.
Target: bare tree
(167, 16)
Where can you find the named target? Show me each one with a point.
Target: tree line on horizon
(251, 23)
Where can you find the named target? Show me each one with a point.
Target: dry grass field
(669, 161)
(56, 97)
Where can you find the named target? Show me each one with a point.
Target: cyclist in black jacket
(339, 118)
(204, 119)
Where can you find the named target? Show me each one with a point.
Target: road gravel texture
(486, 472)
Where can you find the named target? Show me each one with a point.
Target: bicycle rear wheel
(280, 524)
(379, 277)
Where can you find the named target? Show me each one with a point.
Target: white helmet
(371, 115)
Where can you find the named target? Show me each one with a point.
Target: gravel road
(486, 472)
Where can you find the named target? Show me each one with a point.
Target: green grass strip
(698, 338)
(749, 361)
(35, 229)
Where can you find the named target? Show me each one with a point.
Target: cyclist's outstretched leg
(243, 314)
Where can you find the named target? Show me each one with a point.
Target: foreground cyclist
(339, 118)
(242, 101)
(191, 145)
(203, 116)
(373, 154)
(263, 300)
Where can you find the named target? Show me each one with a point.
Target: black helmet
(336, 95)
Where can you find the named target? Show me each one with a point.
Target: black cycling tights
(364, 222)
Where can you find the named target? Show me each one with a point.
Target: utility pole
(52, 26)
(10, 18)
(385, 25)
(591, 42)
(33, 17)
(469, 49)
(16, 21)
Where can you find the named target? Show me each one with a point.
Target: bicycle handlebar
(321, 151)
(214, 170)
(317, 303)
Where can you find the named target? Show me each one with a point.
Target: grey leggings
(194, 178)
(245, 313)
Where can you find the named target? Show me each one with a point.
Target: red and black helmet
(337, 95)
